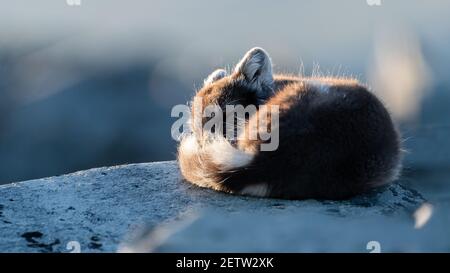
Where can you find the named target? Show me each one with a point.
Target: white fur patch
(227, 156)
(189, 145)
(260, 190)
(191, 150)
(219, 150)
(196, 157)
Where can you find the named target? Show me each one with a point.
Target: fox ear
(256, 68)
(216, 75)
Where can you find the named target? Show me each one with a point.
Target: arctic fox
(336, 139)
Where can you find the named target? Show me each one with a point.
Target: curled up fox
(335, 138)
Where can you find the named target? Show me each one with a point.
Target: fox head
(250, 83)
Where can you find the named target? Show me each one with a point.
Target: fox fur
(336, 139)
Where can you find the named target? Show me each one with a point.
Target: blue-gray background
(93, 85)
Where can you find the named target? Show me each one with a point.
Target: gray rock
(306, 232)
(147, 207)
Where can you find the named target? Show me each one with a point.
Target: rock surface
(147, 207)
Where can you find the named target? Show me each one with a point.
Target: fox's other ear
(216, 75)
(256, 68)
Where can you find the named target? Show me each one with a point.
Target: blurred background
(93, 84)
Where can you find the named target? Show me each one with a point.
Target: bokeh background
(90, 85)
